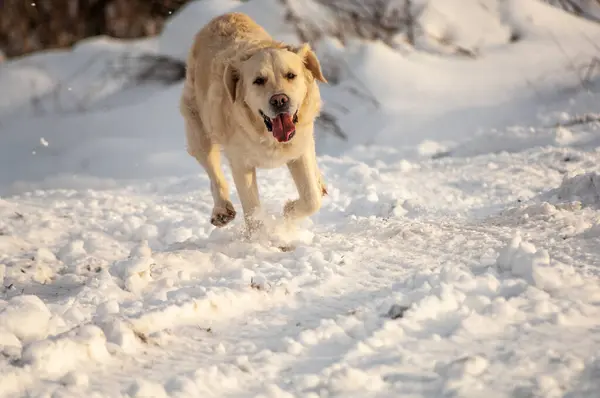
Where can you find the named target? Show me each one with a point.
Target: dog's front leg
(310, 189)
(244, 178)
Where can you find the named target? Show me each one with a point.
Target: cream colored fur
(221, 107)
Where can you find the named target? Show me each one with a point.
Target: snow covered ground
(457, 254)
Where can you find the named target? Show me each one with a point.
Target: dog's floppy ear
(310, 61)
(231, 78)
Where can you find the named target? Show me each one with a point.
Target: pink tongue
(283, 127)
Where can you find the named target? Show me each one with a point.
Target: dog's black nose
(279, 101)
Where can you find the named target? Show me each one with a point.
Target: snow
(456, 253)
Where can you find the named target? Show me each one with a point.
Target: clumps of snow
(259, 282)
(462, 374)
(564, 136)
(74, 254)
(57, 356)
(178, 235)
(26, 316)
(142, 388)
(141, 250)
(429, 148)
(343, 379)
(584, 188)
(120, 334)
(107, 308)
(181, 386)
(43, 270)
(397, 311)
(44, 254)
(278, 232)
(10, 345)
(535, 211)
(471, 365)
(135, 271)
(370, 203)
(75, 379)
(524, 260)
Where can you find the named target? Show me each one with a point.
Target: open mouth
(283, 126)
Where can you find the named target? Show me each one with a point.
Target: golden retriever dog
(255, 100)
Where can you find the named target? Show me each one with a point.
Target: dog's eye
(290, 76)
(260, 81)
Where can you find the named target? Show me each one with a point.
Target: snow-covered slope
(457, 253)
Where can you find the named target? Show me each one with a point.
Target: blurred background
(28, 26)
(74, 68)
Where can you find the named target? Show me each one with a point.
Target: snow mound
(178, 33)
(523, 259)
(10, 345)
(584, 188)
(27, 317)
(54, 358)
(146, 389)
(120, 334)
(135, 271)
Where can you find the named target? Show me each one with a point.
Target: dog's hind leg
(208, 154)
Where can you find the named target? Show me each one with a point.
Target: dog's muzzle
(282, 126)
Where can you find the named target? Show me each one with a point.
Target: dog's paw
(222, 215)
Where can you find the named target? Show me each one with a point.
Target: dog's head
(273, 84)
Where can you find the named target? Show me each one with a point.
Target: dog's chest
(263, 154)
